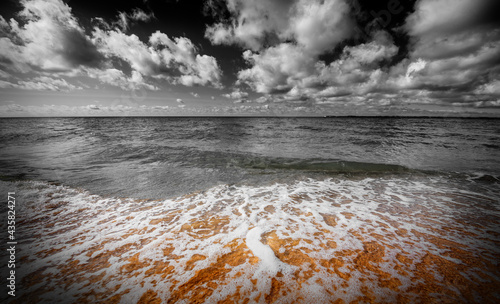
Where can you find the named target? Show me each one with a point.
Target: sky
(250, 58)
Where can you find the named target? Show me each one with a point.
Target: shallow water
(164, 157)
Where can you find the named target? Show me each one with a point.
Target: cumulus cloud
(251, 23)
(453, 52)
(285, 41)
(454, 46)
(288, 68)
(277, 68)
(320, 25)
(175, 60)
(236, 94)
(316, 25)
(49, 39)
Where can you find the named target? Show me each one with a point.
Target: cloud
(454, 46)
(277, 68)
(251, 23)
(285, 42)
(175, 60)
(48, 39)
(492, 88)
(315, 25)
(293, 52)
(51, 39)
(126, 19)
(447, 28)
(289, 69)
(41, 83)
(442, 17)
(263, 99)
(4, 26)
(118, 78)
(140, 15)
(319, 26)
(415, 67)
(236, 94)
(381, 47)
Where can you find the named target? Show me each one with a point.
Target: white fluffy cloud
(176, 60)
(277, 68)
(453, 52)
(289, 68)
(252, 22)
(316, 25)
(51, 40)
(319, 26)
(285, 40)
(236, 94)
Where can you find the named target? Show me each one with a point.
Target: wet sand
(364, 241)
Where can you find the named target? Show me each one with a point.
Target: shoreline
(371, 240)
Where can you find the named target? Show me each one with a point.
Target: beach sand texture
(370, 240)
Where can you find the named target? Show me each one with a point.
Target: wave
(313, 241)
(326, 166)
(195, 157)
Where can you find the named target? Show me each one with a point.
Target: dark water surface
(161, 157)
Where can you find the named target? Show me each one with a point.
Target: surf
(383, 239)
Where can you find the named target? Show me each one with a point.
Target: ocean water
(265, 210)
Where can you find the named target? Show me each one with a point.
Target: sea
(250, 210)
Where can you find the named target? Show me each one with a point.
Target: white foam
(91, 226)
(269, 262)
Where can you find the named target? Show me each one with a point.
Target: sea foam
(312, 241)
